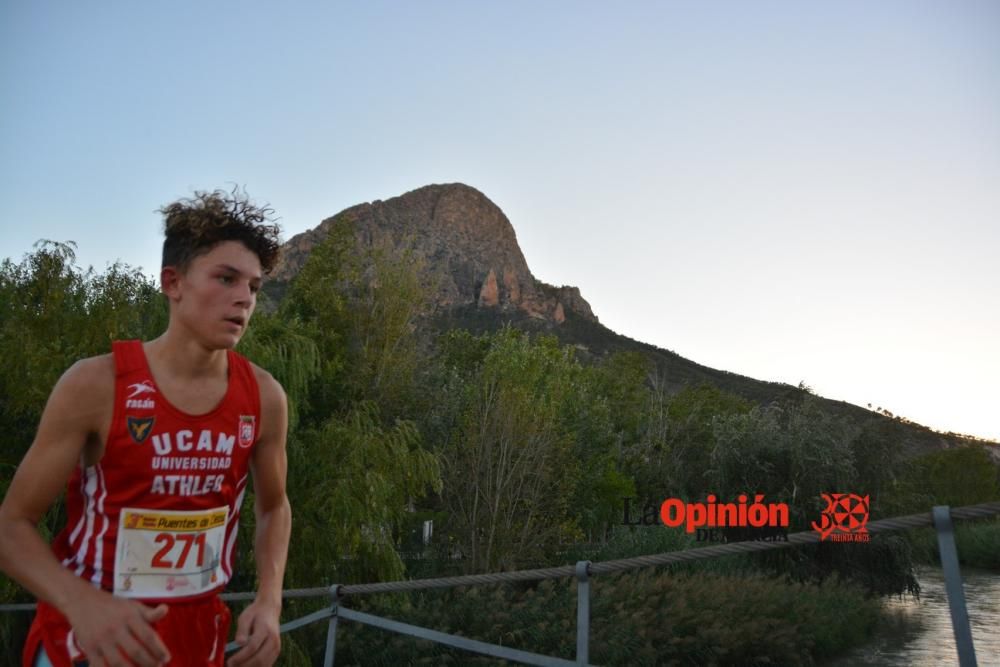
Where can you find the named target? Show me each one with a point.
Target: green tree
(674, 455)
(790, 453)
(604, 416)
(508, 464)
(316, 299)
(954, 477)
(285, 346)
(353, 483)
(356, 465)
(53, 313)
(362, 304)
(878, 459)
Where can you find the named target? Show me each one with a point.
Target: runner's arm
(69, 428)
(70, 420)
(257, 627)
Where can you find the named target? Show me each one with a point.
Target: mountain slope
(486, 283)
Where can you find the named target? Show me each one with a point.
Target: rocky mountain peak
(464, 236)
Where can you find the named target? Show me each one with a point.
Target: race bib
(163, 554)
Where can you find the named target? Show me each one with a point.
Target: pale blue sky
(788, 190)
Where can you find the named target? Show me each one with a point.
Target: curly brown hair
(194, 226)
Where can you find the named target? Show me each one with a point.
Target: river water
(918, 633)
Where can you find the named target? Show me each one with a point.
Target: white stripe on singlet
(215, 639)
(99, 540)
(227, 558)
(89, 490)
(82, 520)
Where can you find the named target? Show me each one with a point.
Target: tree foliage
(361, 305)
(507, 462)
(520, 448)
(53, 313)
(954, 477)
(353, 482)
(673, 456)
(790, 453)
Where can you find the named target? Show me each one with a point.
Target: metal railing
(940, 517)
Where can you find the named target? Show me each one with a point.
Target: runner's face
(218, 293)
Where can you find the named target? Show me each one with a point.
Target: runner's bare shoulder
(74, 423)
(83, 397)
(271, 391)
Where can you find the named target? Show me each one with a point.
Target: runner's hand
(114, 631)
(258, 634)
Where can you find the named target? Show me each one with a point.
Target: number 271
(168, 540)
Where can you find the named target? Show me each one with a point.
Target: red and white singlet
(156, 518)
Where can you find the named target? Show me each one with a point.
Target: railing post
(331, 632)
(582, 613)
(953, 586)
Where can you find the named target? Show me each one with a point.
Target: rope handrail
(805, 537)
(981, 510)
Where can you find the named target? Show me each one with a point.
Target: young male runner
(155, 441)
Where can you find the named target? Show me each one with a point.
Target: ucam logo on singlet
(184, 441)
(246, 429)
(168, 455)
(139, 389)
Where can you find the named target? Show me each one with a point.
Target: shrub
(649, 617)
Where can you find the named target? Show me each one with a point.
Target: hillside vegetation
(521, 447)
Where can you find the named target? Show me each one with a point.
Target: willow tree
(363, 303)
(355, 465)
(53, 313)
(508, 463)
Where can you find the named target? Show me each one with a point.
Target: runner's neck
(185, 360)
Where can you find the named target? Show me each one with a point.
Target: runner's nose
(244, 296)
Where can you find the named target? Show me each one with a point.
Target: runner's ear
(169, 279)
